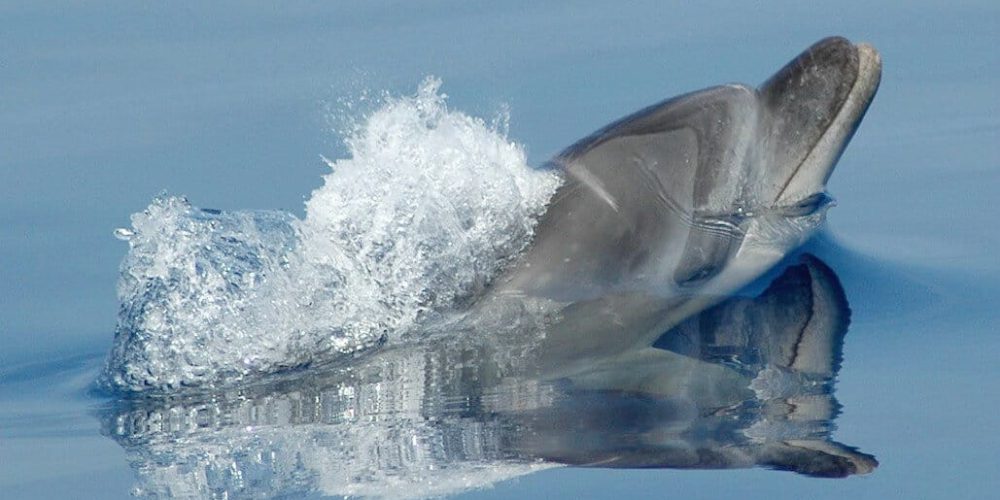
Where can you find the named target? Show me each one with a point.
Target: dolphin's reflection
(746, 383)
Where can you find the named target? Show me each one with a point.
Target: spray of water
(427, 208)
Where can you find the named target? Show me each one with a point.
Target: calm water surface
(103, 107)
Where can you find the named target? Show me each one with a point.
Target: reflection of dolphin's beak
(755, 375)
(798, 323)
(815, 104)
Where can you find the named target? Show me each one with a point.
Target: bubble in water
(429, 206)
(124, 234)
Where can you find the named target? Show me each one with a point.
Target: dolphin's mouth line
(799, 208)
(798, 167)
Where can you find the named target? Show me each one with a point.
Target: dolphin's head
(701, 193)
(806, 115)
(811, 108)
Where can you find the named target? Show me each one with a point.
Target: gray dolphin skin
(668, 210)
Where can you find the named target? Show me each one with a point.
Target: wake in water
(428, 208)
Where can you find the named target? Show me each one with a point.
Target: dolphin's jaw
(811, 175)
(799, 208)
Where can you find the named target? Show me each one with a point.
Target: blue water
(104, 107)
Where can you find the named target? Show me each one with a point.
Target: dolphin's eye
(705, 254)
(702, 260)
(694, 276)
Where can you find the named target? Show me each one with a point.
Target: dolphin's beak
(814, 105)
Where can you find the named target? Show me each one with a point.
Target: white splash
(429, 207)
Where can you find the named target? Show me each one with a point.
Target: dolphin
(668, 210)
(660, 215)
(646, 358)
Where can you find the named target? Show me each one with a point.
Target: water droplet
(124, 234)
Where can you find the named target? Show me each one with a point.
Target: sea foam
(429, 206)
